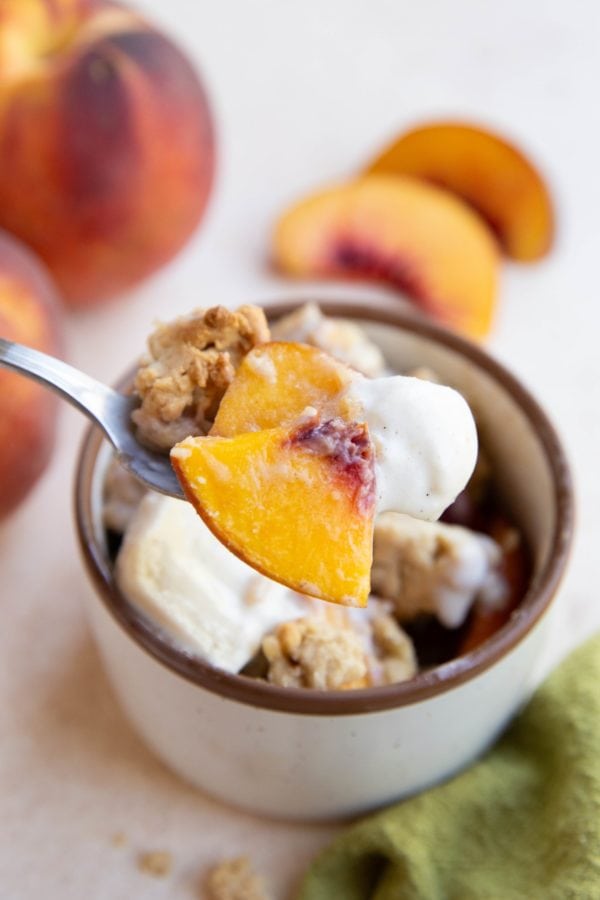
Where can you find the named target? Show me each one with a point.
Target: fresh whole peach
(29, 314)
(106, 142)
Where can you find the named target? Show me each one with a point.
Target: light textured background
(304, 93)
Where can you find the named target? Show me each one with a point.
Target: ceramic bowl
(305, 754)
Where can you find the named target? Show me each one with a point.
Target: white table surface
(304, 93)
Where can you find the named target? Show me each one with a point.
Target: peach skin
(106, 143)
(487, 172)
(29, 314)
(296, 504)
(398, 230)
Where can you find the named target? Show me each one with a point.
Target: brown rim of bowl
(424, 685)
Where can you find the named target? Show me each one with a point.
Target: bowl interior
(530, 471)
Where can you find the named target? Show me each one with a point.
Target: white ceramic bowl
(302, 754)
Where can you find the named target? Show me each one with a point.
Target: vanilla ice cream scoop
(172, 567)
(425, 441)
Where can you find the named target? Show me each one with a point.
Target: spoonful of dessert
(286, 453)
(107, 408)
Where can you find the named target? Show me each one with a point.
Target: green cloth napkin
(521, 824)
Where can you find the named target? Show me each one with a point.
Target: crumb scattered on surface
(119, 839)
(315, 653)
(157, 863)
(344, 340)
(122, 495)
(235, 879)
(189, 366)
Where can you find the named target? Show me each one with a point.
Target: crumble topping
(394, 650)
(313, 652)
(189, 366)
(429, 567)
(344, 340)
(156, 862)
(235, 879)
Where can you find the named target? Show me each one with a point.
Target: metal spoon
(105, 407)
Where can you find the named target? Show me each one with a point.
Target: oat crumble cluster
(430, 567)
(314, 653)
(235, 879)
(190, 364)
(394, 650)
(419, 568)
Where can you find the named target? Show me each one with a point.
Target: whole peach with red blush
(106, 142)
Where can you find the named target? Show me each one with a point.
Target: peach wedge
(487, 172)
(296, 504)
(397, 230)
(275, 384)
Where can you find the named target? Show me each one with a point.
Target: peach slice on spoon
(294, 503)
(302, 453)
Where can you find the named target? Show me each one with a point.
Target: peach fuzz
(29, 314)
(400, 231)
(486, 171)
(106, 143)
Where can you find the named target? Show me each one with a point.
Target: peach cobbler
(326, 475)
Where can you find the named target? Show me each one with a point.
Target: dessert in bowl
(299, 709)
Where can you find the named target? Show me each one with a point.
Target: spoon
(107, 408)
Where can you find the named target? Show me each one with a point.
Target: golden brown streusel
(395, 650)
(315, 653)
(189, 366)
(420, 565)
(156, 862)
(235, 879)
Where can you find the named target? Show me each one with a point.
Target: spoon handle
(97, 401)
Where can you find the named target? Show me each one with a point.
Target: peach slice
(401, 231)
(275, 384)
(486, 171)
(296, 504)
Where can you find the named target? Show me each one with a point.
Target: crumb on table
(235, 879)
(156, 862)
(119, 839)
(189, 366)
